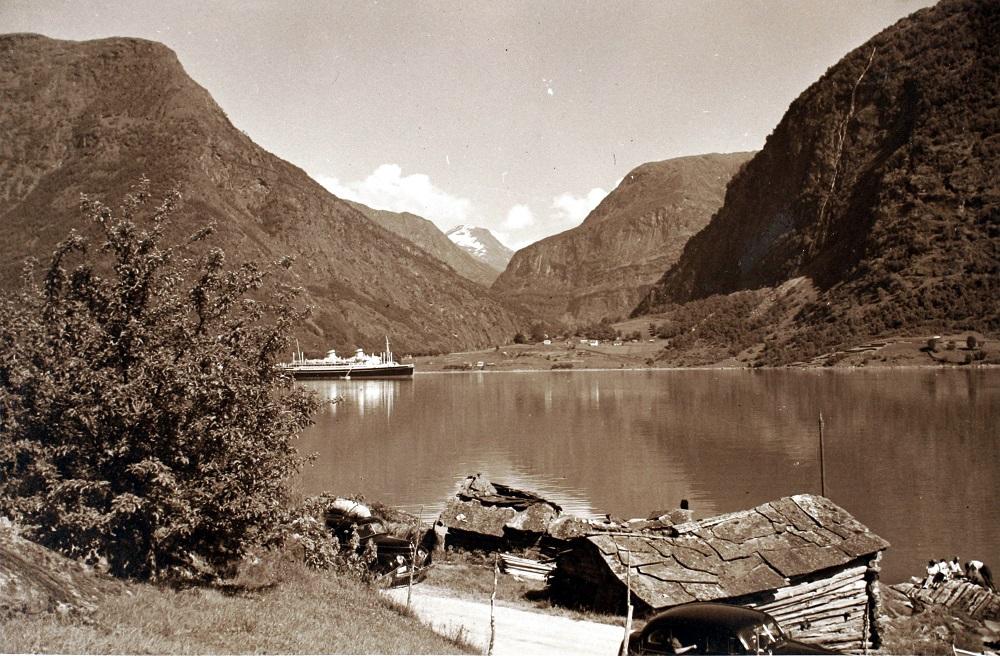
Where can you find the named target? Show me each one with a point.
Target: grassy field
(308, 612)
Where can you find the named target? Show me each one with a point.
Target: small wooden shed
(803, 559)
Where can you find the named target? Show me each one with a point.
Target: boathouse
(803, 559)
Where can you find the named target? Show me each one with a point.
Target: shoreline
(902, 353)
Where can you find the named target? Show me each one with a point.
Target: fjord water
(910, 453)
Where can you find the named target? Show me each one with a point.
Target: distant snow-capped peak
(464, 236)
(481, 244)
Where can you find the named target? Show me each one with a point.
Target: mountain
(427, 236)
(94, 116)
(878, 193)
(604, 266)
(481, 244)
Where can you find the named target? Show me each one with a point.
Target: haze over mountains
(92, 117)
(604, 266)
(874, 206)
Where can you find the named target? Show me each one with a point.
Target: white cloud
(568, 210)
(388, 189)
(519, 217)
(571, 210)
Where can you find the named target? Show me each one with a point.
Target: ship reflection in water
(360, 397)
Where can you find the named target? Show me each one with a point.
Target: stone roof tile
(671, 570)
(739, 553)
(802, 560)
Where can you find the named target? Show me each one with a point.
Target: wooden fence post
(413, 556)
(628, 601)
(493, 599)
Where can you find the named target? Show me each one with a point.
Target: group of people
(975, 571)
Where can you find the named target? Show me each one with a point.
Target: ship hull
(335, 372)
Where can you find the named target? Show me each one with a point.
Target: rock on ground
(34, 579)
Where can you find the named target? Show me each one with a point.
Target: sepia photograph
(588, 327)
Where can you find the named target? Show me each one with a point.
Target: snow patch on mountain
(481, 244)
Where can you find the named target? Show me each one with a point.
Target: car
(394, 556)
(714, 628)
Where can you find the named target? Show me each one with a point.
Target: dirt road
(518, 632)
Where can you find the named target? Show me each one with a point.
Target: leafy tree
(142, 419)
(519, 338)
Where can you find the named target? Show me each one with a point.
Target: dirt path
(518, 632)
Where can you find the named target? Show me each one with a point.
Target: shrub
(319, 548)
(144, 423)
(971, 342)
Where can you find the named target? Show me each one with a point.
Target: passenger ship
(360, 365)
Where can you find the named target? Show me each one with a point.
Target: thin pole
(413, 555)
(822, 462)
(628, 601)
(493, 599)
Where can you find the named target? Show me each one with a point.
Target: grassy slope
(308, 613)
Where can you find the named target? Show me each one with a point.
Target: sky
(517, 116)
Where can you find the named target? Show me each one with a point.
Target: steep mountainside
(427, 236)
(94, 116)
(603, 267)
(481, 244)
(880, 185)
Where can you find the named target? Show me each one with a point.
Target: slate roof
(737, 554)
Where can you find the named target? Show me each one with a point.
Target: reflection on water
(912, 454)
(363, 396)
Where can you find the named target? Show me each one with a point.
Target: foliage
(320, 548)
(144, 423)
(719, 326)
(601, 330)
(519, 338)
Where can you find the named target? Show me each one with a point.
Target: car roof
(700, 612)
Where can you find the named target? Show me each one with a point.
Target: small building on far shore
(802, 559)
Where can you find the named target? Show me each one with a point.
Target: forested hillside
(880, 187)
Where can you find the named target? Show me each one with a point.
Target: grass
(932, 631)
(469, 575)
(307, 612)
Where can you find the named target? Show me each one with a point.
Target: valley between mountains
(872, 211)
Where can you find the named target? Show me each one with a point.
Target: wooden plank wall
(830, 611)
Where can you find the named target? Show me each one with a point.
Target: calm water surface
(911, 453)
